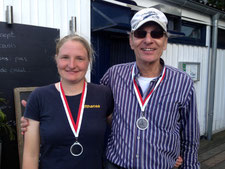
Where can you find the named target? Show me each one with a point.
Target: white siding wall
(219, 102)
(176, 53)
(50, 13)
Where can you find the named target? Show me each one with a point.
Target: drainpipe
(212, 75)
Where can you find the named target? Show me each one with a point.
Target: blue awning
(108, 16)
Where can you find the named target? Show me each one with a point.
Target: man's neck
(150, 69)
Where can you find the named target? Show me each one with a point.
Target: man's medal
(142, 123)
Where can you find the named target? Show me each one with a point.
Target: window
(174, 22)
(192, 33)
(221, 39)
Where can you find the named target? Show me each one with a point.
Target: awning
(106, 16)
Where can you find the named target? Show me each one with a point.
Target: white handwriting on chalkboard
(9, 45)
(20, 59)
(3, 58)
(13, 70)
(7, 35)
(2, 69)
(18, 69)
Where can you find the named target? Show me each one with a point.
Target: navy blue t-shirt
(45, 105)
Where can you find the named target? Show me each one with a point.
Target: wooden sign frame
(20, 94)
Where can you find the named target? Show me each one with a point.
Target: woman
(68, 118)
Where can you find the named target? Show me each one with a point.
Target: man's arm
(24, 122)
(190, 132)
(31, 146)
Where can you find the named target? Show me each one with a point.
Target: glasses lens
(157, 34)
(140, 34)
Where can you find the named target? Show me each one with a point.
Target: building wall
(50, 13)
(219, 102)
(176, 53)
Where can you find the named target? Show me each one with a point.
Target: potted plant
(6, 129)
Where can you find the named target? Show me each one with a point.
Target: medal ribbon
(75, 127)
(143, 103)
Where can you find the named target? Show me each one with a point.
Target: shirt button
(138, 137)
(137, 155)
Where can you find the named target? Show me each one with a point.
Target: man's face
(148, 48)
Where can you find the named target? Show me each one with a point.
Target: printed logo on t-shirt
(92, 106)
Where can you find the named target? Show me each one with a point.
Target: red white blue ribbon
(75, 127)
(143, 103)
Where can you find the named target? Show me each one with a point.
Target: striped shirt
(173, 121)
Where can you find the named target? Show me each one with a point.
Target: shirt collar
(137, 72)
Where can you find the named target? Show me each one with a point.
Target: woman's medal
(76, 148)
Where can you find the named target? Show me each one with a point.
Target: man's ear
(165, 43)
(131, 40)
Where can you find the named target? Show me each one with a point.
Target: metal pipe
(73, 24)
(208, 44)
(9, 14)
(212, 74)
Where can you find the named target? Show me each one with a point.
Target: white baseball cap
(146, 15)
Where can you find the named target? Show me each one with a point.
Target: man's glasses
(156, 34)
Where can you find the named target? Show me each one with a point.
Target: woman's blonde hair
(78, 38)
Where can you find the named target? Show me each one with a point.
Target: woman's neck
(71, 89)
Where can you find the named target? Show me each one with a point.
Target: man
(155, 114)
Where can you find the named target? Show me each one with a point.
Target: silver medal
(76, 149)
(142, 123)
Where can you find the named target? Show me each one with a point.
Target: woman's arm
(31, 145)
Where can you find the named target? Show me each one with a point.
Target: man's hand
(179, 161)
(24, 103)
(24, 122)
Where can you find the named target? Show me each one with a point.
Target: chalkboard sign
(26, 59)
(20, 94)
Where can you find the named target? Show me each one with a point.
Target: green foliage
(219, 4)
(5, 128)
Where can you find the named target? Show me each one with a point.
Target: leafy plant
(5, 128)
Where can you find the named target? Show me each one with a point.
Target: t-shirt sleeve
(32, 110)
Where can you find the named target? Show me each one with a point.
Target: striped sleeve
(190, 132)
